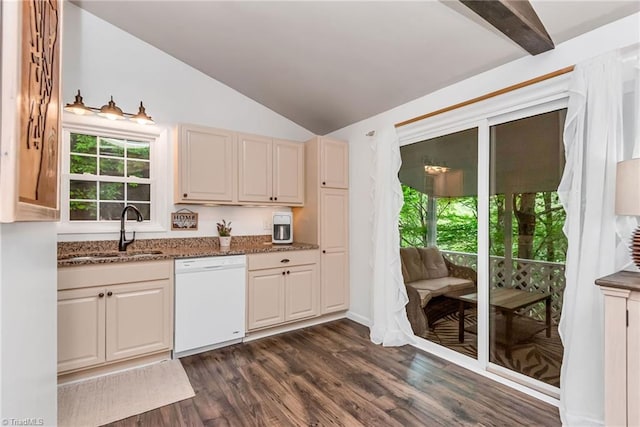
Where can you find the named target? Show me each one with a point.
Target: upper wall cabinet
(255, 168)
(334, 164)
(206, 161)
(288, 172)
(271, 171)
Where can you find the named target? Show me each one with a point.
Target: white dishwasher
(209, 303)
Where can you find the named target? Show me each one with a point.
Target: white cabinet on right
(621, 348)
(324, 220)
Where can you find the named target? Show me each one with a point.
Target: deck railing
(525, 274)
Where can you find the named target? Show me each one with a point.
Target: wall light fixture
(110, 111)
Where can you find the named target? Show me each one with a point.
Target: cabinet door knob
(324, 252)
(285, 260)
(185, 195)
(324, 183)
(270, 198)
(101, 295)
(109, 293)
(283, 273)
(275, 198)
(288, 272)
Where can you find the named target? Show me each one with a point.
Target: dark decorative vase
(635, 247)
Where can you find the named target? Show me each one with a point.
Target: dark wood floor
(332, 375)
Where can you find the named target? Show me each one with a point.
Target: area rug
(113, 397)
(540, 357)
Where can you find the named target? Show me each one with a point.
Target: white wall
(102, 60)
(615, 35)
(28, 332)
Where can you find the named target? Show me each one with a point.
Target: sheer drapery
(594, 143)
(390, 325)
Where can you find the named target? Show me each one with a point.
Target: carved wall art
(39, 112)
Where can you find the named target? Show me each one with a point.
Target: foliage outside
(457, 225)
(94, 157)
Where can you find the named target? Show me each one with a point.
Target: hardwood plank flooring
(332, 375)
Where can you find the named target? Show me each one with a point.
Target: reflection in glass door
(527, 247)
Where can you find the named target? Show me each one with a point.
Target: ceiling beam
(517, 20)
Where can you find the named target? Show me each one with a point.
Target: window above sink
(104, 168)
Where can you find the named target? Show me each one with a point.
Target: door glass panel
(527, 247)
(439, 183)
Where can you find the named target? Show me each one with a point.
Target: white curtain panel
(390, 326)
(594, 143)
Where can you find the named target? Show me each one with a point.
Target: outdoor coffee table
(507, 301)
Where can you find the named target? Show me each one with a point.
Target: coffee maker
(282, 228)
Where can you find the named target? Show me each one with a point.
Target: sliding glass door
(527, 247)
(439, 179)
(486, 198)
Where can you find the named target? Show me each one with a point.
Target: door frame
(543, 97)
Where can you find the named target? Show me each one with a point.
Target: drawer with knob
(281, 259)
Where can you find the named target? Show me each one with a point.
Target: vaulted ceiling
(327, 64)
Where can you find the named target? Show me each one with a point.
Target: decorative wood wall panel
(30, 119)
(39, 114)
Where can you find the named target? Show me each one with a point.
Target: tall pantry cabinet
(324, 220)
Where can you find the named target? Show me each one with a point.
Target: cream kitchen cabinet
(334, 163)
(114, 312)
(81, 328)
(205, 170)
(324, 220)
(334, 269)
(282, 288)
(621, 348)
(271, 171)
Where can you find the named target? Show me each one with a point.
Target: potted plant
(224, 231)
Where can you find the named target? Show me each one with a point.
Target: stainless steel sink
(143, 253)
(103, 255)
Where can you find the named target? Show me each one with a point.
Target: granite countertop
(106, 251)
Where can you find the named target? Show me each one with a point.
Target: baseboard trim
(252, 336)
(358, 318)
(112, 368)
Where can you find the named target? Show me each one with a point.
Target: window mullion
(101, 181)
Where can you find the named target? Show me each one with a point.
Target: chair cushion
(405, 273)
(434, 262)
(413, 265)
(425, 297)
(430, 288)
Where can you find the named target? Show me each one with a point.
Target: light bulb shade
(111, 111)
(78, 106)
(435, 169)
(628, 187)
(142, 117)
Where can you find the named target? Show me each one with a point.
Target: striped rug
(538, 357)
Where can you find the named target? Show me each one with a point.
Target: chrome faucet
(122, 245)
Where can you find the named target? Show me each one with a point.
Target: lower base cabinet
(335, 282)
(282, 287)
(621, 292)
(111, 320)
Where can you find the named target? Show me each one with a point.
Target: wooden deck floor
(332, 375)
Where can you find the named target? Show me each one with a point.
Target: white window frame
(158, 138)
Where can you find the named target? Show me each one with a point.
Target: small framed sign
(184, 220)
